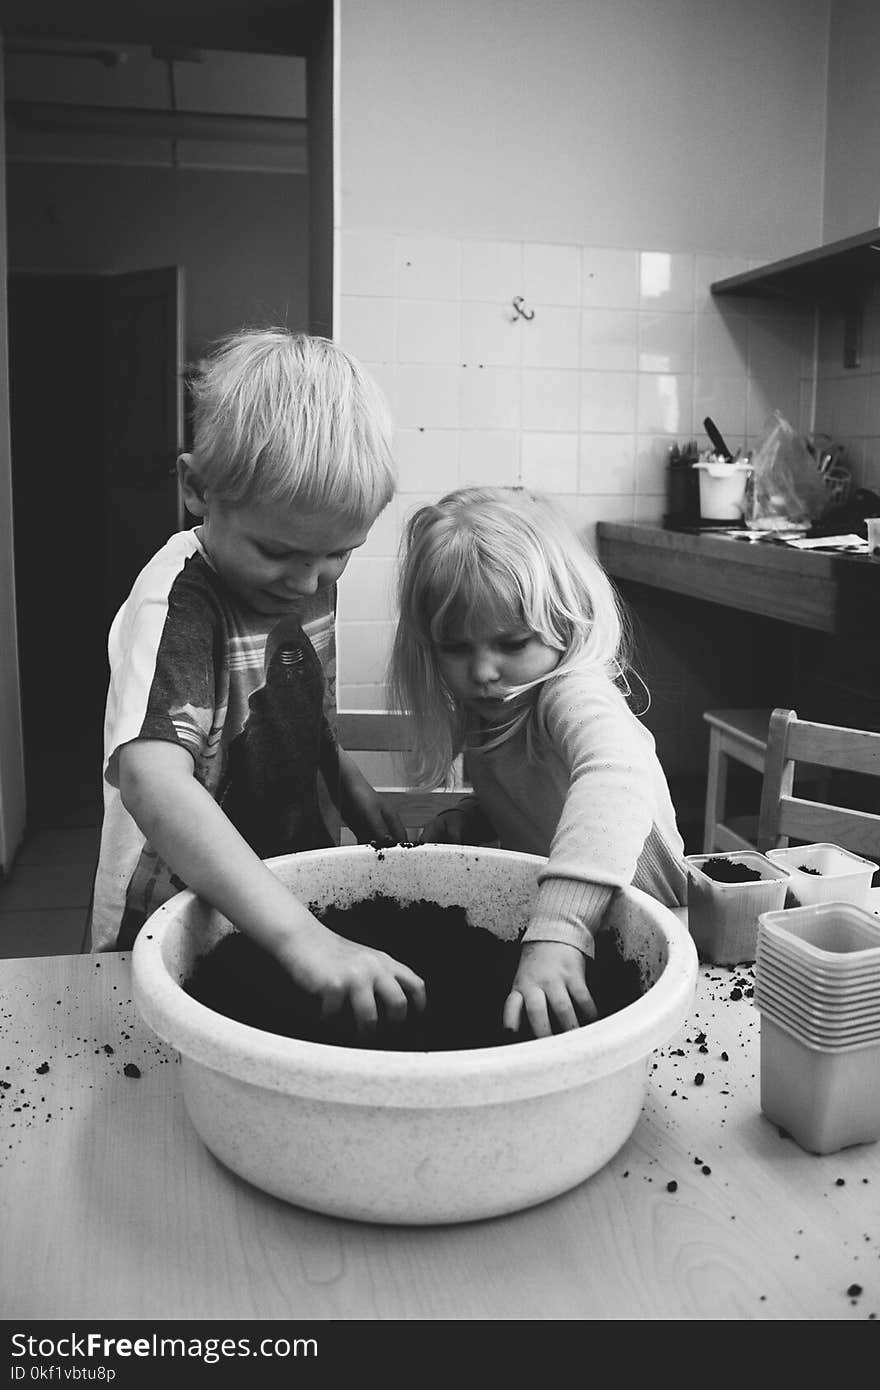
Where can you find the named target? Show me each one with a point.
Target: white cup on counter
(723, 489)
(873, 524)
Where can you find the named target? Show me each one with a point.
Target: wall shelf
(838, 274)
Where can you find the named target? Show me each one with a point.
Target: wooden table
(110, 1206)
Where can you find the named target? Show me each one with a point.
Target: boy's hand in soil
(550, 989)
(374, 985)
(190, 831)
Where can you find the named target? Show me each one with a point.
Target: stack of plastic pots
(817, 986)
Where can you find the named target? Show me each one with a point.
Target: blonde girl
(510, 649)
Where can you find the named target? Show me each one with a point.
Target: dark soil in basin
(467, 972)
(728, 871)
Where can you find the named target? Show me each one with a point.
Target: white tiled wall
(848, 398)
(626, 352)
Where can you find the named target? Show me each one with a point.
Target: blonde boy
(216, 735)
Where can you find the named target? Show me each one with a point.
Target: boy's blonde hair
(498, 558)
(293, 419)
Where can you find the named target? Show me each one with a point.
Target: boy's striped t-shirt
(252, 700)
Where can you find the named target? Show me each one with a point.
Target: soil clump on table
(467, 972)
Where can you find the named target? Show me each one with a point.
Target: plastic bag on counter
(786, 489)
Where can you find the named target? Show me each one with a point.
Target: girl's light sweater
(594, 800)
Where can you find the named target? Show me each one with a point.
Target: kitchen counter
(112, 1208)
(818, 590)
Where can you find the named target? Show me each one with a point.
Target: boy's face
(273, 557)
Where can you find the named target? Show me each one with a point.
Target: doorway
(95, 423)
(249, 245)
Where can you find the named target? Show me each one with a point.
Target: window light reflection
(656, 273)
(669, 404)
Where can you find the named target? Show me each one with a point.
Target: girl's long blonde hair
(502, 558)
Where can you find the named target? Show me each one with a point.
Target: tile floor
(44, 900)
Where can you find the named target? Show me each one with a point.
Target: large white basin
(415, 1137)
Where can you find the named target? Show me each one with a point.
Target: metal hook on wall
(522, 308)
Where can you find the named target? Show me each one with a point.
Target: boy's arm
(189, 830)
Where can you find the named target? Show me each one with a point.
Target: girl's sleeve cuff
(569, 911)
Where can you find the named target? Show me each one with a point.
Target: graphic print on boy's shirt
(269, 787)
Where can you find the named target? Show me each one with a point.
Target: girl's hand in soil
(550, 988)
(341, 972)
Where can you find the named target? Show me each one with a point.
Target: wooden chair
(740, 734)
(792, 741)
(377, 731)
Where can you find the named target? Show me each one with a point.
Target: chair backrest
(783, 815)
(374, 730)
(377, 731)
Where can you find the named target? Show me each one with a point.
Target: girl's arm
(607, 813)
(189, 830)
(606, 817)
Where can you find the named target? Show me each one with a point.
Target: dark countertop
(819, 590)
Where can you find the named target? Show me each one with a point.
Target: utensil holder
(682, 495)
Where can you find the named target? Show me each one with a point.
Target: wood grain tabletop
(111, 1207)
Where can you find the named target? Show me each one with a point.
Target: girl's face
(479, 667)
